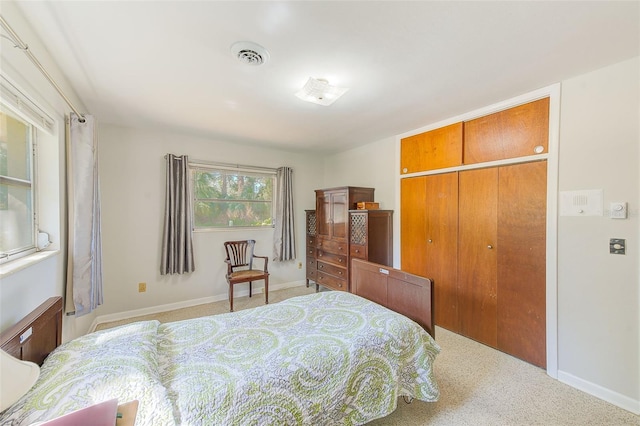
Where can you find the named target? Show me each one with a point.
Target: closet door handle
(429, 240)
(489, 246)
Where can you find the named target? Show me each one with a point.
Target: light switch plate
(618, 210)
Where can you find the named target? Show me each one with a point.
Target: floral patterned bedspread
(330, 358)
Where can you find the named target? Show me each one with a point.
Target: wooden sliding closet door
(502, 258)
(413, 225)
(522, 261)
(442, 246)
(477, 256)
(429, 238)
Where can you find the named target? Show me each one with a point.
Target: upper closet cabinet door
(512, 133)
(436, 149)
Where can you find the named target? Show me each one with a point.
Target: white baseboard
(119, 316)
(598, 391)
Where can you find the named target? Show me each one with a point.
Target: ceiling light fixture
(249, 53)
(319, 91)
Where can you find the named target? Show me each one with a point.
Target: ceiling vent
(249, 53)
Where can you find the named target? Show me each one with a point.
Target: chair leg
(250, 288)
(266, 290)
(230, 297)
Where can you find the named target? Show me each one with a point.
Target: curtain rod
(25, 48)
(232, 166)
(225, 165)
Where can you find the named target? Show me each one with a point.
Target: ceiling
(167, 64)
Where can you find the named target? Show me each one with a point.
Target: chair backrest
(240, 253)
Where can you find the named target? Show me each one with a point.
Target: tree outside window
(230, 199)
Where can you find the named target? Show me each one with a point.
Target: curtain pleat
(84, 262)
(284, 235)
(177, 244)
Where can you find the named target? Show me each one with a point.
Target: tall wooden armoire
(343, 232)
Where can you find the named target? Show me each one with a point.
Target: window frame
(32, 131)
(195, 166)
(16, 101)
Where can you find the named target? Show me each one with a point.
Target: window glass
(17, 220)
(229, 199)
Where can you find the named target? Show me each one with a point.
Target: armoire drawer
(336, 247)
(332, 270)
(311, 274)
(331, 281)
(358, 251)
(336, 259)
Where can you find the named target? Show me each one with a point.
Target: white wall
(371, 166)
(598, 293)
(374, 166)
(132, 173)
(23, 290)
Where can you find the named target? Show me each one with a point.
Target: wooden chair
(240, 267)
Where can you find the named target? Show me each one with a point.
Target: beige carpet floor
(478, 385)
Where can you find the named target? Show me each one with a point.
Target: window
(232, 198)
(17, 191)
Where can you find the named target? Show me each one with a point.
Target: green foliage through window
(229, 198)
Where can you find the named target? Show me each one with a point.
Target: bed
(322, 359)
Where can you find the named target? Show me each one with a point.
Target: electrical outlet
(617, 246)
(142, 287)
(299, 265)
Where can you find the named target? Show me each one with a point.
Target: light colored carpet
(478, 385)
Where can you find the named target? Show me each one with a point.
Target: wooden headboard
(407, 294)
(37, 334)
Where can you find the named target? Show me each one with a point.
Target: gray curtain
(84, 261)
(284, 240)
(177, 245)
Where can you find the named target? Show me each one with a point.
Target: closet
(479, 230)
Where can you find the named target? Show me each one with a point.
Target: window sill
(14, 266)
